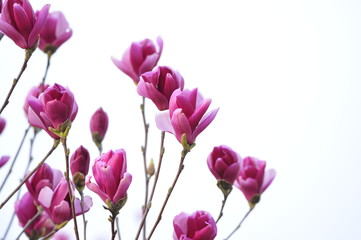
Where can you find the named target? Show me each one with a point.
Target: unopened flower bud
(151, 169)
(98, 127)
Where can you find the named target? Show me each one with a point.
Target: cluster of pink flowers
(182, 112)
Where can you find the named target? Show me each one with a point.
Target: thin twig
(170, 190)
(28, 53)
(26, 170)
(16, 156)
(56, 143)
(46, 70)
(82, 211)
(71, 196)
(40, 211)
(239, 225)
(149, 204)
(223, 204)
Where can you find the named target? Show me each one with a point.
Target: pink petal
(205, 121)
(4, 160)
(125, 67)
(269, 175)
(40, 21)
(181, 126)
(163, 122)
(93, 187)
(122, 187)
(61, 213)
(13, 34)
(45, 197)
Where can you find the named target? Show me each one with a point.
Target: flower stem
(55, 145)
(149, 204)
(28, 53)
(46, 70)
(16, 156)
(26, 170)
(82, 212)
(40, 211)
(223, 204)
(144, 152)
(170, 190)
(239, 225)
(112, 223)
(71, 196)
(118, 228)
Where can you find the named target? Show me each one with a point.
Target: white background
(285, 75)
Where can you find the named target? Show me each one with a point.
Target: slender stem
(40, 211)
(170, 190)
(239, 225)
(16, 156)
(82, 211)
(46, 69)
(144, 151)
(26, 170)
(118, 229)
(55, 145)
(71, 196)
(223, 204)
(112, 224)
(149, 204)
(28, 53)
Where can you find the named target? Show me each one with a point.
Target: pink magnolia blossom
(99, 125)
(25, 210)
(186, 115)
(19, 22)
(4, 160)
(56, 202)
(2, 124)
(199, 225)
(159, 84)
(79, 161)
(34, 92)
(224, 163)
(253, 180)
(139, 58)
(110, 174)
(55, 32)
(55, 106)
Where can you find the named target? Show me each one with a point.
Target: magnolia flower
(19, 22)
(159, 84)
(2, 124)
(25, 210)
(55, 32)
(139, 58)
(112, 179)
(56, 202)
(224, 163)
(34, 92)
(99, 126)
(53, 110)
(199, 225)
(253, 180)
(4, 160)
(186, 115)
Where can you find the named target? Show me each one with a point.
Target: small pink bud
(99, 126)
(19, 22)
(253, 180)
(159, 84)
(139, 58)
(199, 225)
(79, 166)
(55, 32)
(2, 124)
(4, 160)
(187, 115)
(224, 163)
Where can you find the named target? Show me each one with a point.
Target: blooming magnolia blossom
(186, 115)
(55, 106)
(199, 225)
(110, 174)
(159, 84)
(2, 124)
(139, 58)
(79, 161)
(34, 92)
(224, 163)
(253, 180)
(99, 125)
(4, 160)
(19, 22)
(25, 210)
(55, 32)
(56, 202)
